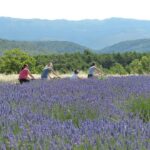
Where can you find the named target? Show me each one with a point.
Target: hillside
(141, 45)
(41, 47)
(95, 34)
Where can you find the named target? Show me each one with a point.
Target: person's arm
(55, 74)
(30, 75)
(49, 76)
(98, 71)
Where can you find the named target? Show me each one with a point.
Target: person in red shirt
(24, 74)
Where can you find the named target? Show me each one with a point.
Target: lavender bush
(74, 115)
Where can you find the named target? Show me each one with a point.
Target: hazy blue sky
(75, 9)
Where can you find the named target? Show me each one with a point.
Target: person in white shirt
(92, 70)
(75, 75)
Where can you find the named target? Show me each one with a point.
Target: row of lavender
(64, 114)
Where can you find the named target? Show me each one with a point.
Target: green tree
(135, 67)
(107, 61)
(145, 61)
(13, 60)
(118, 69)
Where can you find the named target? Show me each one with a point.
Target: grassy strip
(140, 107)
(73, 113)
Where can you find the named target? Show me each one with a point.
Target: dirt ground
(14, 77)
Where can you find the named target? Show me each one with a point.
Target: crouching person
(75, 75)
(24, 74)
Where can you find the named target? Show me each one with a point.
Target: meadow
(111, 113)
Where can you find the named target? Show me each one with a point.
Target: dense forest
(41, 47)
(51, 47)
(117, 63)
(140, 45)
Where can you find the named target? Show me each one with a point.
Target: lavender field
(88, 114)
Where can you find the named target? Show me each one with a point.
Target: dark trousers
(23, 81)
(90, 75)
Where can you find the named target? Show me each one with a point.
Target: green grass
(73, 113)
(140, 107)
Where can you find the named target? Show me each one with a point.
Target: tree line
(117, 63)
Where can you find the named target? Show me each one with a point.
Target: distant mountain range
(95, 34)
(141, 45)
(41, 47)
